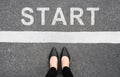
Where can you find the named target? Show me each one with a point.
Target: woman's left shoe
(53, 58)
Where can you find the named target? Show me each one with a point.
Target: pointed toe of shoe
(65, 52)
(53, 53)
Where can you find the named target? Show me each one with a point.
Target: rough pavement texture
(88, 60)
(107, 18)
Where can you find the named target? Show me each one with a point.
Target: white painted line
(59, 37)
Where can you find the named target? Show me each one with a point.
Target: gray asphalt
(87, 60)
(107, 18)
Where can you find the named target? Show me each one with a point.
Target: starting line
(59, 37)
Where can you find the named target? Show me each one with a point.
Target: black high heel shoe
(65, 53)
(53, 53)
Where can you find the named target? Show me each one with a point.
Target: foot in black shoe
(53, 58)
(65, 58)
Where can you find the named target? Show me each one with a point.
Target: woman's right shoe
(65, 58)
(65, 53)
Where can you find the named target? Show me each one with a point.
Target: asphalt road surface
(87, 60)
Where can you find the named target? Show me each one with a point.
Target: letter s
(30, 17)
